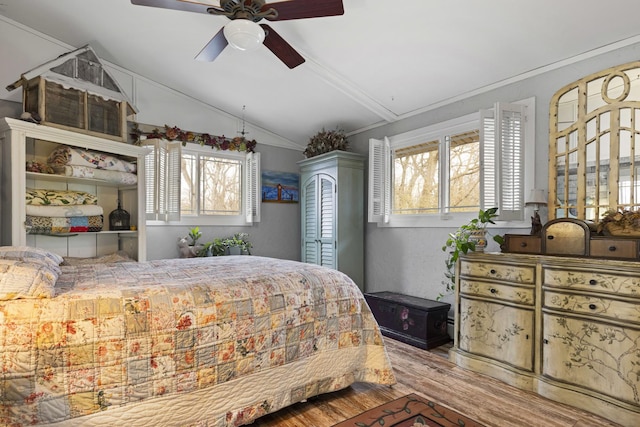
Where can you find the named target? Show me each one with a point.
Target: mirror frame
(593, 122)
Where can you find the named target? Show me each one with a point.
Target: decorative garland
(239, 143)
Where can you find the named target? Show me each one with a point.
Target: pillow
(115, 257)
(28, 253)
(26, 279)
(38, 196)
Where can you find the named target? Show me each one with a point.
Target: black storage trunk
(416, 321)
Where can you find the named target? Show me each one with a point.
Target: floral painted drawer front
(497, 331)
(593, 281)
(128, 333)
(601, 357)
(594, 305)
(517, 294)
(504, 272)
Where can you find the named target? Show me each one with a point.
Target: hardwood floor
(430, 374)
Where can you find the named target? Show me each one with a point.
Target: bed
(214, 341)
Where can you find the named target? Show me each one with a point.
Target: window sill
(202, 221)
(445, 221)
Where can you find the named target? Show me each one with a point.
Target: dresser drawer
(506, 272)
(614, 248)
(516, 294)
(592, 305)
(594, 281)
(522, 244)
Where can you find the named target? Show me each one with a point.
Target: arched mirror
(594, 147)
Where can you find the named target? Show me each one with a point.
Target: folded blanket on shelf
(65, 155)
(64, 211)
(57, 225)
(105, 175)
(39, 196)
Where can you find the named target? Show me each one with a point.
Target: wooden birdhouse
(75, 92)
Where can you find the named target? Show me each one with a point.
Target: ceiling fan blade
(300, 9)
(283, 50)
(188, 6)
(215, 46)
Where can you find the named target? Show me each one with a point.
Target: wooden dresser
(567, 328)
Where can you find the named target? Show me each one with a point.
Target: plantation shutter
(310, 222)
(252, 188)
(327, 222)
(379, 180)
(162, 175)
(502, 160)
(174, 160)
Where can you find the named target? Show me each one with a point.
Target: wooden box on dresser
(21, 141)
(567, 328)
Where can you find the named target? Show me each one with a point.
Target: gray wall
(277, 235)
(410, 260)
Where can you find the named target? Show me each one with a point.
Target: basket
(621, 230)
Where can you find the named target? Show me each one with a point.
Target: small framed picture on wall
(280, 187)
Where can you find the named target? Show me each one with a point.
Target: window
(198, 185)
(451, 169)
(210, 185)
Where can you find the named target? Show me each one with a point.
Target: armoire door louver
(319, 224)
(327, 224)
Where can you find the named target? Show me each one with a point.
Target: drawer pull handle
(492, 271)
(523, 244)
(526, 336)
(492, 290)
(546, 341)
(592, 306)
(612, 248)
(549, 237)
(593, 282)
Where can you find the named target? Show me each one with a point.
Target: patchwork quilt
(72, 224)
(184, 342)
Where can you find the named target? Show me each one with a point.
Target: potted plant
(238, 244)
(468, 237)
(188, 245)
(213, 248)
(194, 235)
(326, 141)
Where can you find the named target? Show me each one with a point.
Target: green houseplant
(239, 241)
(194, 235)
(237, 244)
(468, 237)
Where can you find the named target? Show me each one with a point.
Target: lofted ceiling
(379, 62)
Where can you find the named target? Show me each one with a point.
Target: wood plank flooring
(430, 374)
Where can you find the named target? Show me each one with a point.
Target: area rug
(410, 411)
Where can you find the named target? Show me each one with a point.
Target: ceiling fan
(243, 32)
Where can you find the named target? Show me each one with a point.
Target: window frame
(436, 131)
(249, 197)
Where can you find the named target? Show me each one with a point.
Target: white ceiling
(379, 62)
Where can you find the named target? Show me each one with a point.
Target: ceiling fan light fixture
(243, 34)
